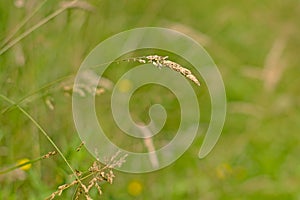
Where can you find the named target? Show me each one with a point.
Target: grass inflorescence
(162, 61)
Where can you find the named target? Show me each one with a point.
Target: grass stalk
(36, 26)
(44, 133)
(11, 35)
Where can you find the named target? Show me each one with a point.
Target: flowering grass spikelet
(162, 61)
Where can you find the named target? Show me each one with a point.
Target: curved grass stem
(20, 165)
(36, 26)
(44, 133)
(48, 85)
(22, 23)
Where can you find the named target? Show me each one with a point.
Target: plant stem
(44, 133)
(23, 23)
(48, 85)
(36, 26)
(20, 165)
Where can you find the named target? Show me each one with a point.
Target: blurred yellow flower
(125, 85)
(24, 167)
(223, 170)
(135, 188)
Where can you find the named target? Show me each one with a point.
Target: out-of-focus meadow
(254, 43)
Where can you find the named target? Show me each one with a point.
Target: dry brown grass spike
(162, 61)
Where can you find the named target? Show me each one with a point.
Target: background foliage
(256, 45)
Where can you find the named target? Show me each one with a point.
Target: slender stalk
(36, 26)
(48, 85)
(45, 134)
(23, 23)
(20, 165)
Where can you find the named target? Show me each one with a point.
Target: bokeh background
(256, 46)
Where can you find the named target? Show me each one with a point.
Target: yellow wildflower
(135, 188)
(24, 167)
(224, 170)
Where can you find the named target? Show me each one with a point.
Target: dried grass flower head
(162, 61)
(96, 174)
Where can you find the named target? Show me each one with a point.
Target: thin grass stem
(44, 133)
(18, 27)
(48, 85)
(36, 26)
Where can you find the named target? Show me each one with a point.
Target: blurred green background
(256, 46)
